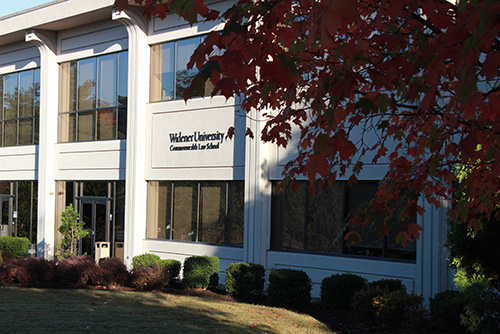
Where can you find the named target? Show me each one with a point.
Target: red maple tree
(413, 84)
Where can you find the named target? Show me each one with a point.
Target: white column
(432, 272)
(49, 82)
(138, 97)
(257, 196)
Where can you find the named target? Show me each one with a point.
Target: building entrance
(95, 213)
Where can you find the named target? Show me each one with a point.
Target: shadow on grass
(62, 311)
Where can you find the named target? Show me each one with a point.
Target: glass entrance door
(6, 202)
(95, 213)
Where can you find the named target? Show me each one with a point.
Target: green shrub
(243, 279)
(445, 308)
(338, 290)
(144, 260)
(390, 310)
(388, 284)
(172, 268)
(288, 287)
(18, 246)
(201, 272)
(3, 241)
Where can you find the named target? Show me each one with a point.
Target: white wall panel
(94, 39)
(18, 57)
(99, 160)
(320, 266)
(177, 148)
(18, 163)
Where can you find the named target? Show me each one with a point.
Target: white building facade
(92, 115)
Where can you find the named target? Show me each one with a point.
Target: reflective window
(317, 222)
(20, 106)
(93, 102)
(210, 212)
(169, 74)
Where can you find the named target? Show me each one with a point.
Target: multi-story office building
(92, 116)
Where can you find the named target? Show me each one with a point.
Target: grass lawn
(25, 310)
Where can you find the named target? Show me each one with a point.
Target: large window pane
(10, 133)
(26, 131)
(106, 124)
(122, 78)
(371, 243)
(86, 125)
(325, 220)
(167, 71)
(185, 211)
(86, 84)
(290, 232)
(183, 76)
(236, 212)
(10, 92)
(107, 81)
(36, 87)
(26, 93)
(69, 81)
(122, 123)
(212, 212)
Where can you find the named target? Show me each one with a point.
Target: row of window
(212, 212)
(317, 223)
(93, 95)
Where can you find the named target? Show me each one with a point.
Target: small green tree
(72, 231)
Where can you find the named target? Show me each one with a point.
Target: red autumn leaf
(372, 79)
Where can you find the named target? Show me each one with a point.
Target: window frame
(34, 117)
(228, 220)
(278, 223)
(70, 116)
(156, 74)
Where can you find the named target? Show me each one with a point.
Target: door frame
(94, 201)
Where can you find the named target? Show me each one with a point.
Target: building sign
(195, 141)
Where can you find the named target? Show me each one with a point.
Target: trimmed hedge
(201, 272)
(152, 277)
(18, 246)
(338, 290)
(243, 279)
(76, 272)
(172, 268)
(111, 272)
(144, 260)
(289, 287)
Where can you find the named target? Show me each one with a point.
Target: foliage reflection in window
(93, 102)
(169, 74)
(20, 106)
(317, 222)
(210, 212)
